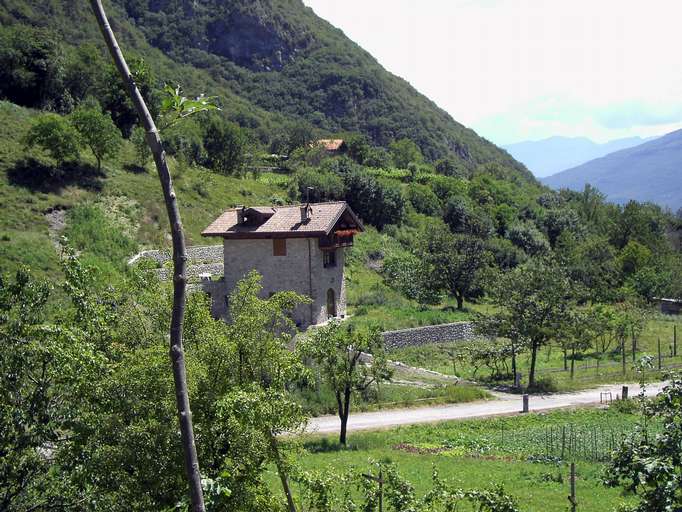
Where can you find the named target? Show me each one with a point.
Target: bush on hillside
(55, 135)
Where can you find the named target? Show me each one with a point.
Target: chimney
(306, 213)
(240, 214)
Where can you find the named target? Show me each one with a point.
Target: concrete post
(624, 393)
(525, 403)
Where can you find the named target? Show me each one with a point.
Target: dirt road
(503, 404)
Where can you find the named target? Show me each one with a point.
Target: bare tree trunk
(344, 412)
(282, 472)
(179, 261)
(533, 360)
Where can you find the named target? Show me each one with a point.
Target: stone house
(299, 248)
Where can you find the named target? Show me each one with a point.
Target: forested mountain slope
(272, 62)
(648, 172)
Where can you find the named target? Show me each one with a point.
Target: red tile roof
(330, 144)
(285, 222)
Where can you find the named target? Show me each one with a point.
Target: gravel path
(503, 404)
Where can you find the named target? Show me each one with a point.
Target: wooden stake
(177, 353)
(571, 497)
(660, 364)
(675, 340)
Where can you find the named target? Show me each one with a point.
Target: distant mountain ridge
(648, 172)
(555, 154)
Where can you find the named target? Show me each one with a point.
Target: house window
(329, 259)
(279, 247)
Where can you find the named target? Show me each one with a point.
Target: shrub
(56, 136)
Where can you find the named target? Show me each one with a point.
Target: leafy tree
(558, 220)
(581, 326)
(142, 152)
(376, 202)
(339, 352)
(413, 277)
(529, 238)
(358, 147)
(185, 142)
(448, 166)
(324, 186)
(463, 217)
(378, 158)
(56, 136)
(590, 262)
(458, 261)
(31, 67)
(97, 131)
(650, 464)
(41, 368)
(505, 254)
(404, 152)
(533, 300)
(423, 199)
(225, 146)
(112, 95)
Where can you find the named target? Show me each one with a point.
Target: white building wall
(301, 270)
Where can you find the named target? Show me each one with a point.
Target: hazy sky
(528, 69)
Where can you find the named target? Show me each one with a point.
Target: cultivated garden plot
(529, 455)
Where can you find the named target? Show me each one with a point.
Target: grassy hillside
(30, 188)
(111, 216)
(272, 63)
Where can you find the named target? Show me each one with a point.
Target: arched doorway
(331, 303)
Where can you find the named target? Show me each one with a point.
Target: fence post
(624, 394)
(659, 354)
(675, 340)
(571, 498)
(525, 403)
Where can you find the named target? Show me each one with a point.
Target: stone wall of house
(300, 270)
(458, 331)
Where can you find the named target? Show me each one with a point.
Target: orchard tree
(581, 326)
(458, 261)
(55, 135)
(97, 131)
(533, 300)
(340, 352)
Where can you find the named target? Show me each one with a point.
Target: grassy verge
(391, 396)
(512, 451)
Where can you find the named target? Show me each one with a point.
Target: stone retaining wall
(458, 331)
(195, 254)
